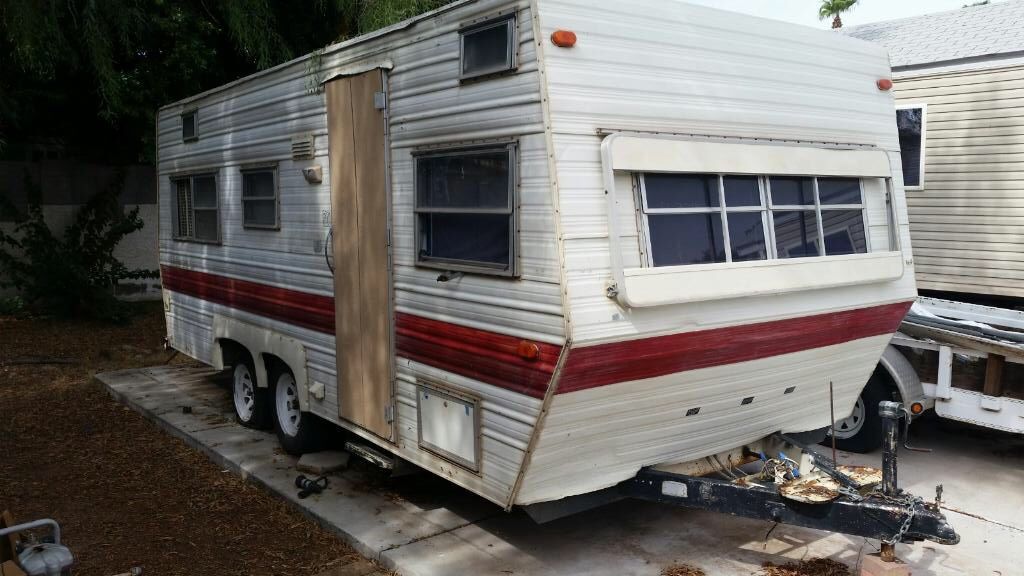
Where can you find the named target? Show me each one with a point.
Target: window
(707, 218)
(488, 48)
(189, 126)
(910, 124)
(260, 198)
(465, 209)
(196, 208)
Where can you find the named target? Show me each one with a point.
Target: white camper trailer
(535, 246)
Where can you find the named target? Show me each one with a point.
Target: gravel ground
(125, 493)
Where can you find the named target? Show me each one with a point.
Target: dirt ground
(125, 493)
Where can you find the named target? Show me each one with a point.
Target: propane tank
(42, 558)
(46, 559)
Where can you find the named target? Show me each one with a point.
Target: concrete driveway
(422, 525)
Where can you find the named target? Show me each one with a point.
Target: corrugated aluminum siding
(253, 121)
(967, 223)
(671, 67)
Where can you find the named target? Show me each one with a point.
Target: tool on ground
(309, 486)
(46, 558)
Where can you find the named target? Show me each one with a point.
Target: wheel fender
(260, 341)
(903, 375)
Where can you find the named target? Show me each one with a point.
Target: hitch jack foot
(874, 565)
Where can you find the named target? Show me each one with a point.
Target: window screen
(188, 126)
(197, 215)
(910, 124)
(465, 209)
(707, 218)
(260, 198)
(489, 47)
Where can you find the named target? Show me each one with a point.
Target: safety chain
(908, 502)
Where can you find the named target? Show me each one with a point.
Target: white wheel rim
(286, 399)
(244, 393)
(849, 427)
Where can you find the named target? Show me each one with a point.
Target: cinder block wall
(65, 185)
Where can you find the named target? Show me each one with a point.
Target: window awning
(654, 154)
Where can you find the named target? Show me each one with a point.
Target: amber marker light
(916, 408)
(528, 350)
(884, 84)
(563, 38)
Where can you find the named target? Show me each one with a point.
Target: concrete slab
(422, 525)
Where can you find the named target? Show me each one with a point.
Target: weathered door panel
(359, 211)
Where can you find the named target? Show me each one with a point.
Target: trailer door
(362, 287)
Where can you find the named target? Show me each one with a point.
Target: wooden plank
(344, 217)
(374, 275)
(994, 375)
(9, 543)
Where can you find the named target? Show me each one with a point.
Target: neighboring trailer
(958, 81)
(536, 269)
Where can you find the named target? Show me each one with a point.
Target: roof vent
(302, 147)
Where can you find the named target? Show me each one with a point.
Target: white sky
(806, 11)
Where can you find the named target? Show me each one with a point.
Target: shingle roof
(969, 32)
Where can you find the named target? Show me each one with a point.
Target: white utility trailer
(965, 361)
(540, 247)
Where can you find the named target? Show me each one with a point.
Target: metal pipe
(890, 413)
(55, 528)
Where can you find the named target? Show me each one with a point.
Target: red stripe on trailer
(494, 358)
(478, 354)
(603, 364)
(300, 308)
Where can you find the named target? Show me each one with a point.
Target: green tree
(833, 8)
(89, 75)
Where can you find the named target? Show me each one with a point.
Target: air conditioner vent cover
(302, 147)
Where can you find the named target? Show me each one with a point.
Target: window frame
(190, 178)
(924, 135)
(766, 208)
(194, 113)
(511, 49)
(511, 147)
(273, 168)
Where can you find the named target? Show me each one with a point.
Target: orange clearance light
(528, 350)
(563, 38)
(916, 408)
(884, 84)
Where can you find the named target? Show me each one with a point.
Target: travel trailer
(537, 247)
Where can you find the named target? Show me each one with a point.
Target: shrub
(73, 274)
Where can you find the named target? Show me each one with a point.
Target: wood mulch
(125, 493)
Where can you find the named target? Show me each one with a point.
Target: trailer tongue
(859, 501)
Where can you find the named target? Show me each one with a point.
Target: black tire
(868, 434)
(298, 432)
(252, 403)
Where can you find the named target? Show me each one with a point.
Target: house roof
(969, 32)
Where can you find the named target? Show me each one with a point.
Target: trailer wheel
(297, 431)
(252, 407)
(861, 432)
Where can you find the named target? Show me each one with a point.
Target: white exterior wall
(967, 222)
(672, 67)
(669, 67)
(253, 121)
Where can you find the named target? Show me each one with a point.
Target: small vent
(302, 147)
